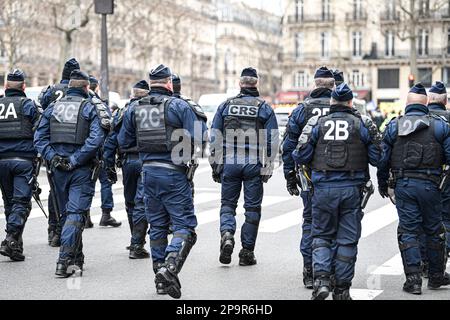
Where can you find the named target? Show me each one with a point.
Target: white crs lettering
(66, 113)
(338, 130)
(59, 95)
(149, 118)
(321, 111)
(249, 111)
(7, 112)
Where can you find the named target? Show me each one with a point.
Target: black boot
(413, 284)
(308, 280)
(342, 294)
(108, 221)
(160, 287)
(88, 224)
(321, 288)
(56, 240)
(51, 234)
(437, 280)
(137, 251)
(12, 249)
(226, 248)
(424, 269)
(67, 268)
(247, 258)
(166, 279)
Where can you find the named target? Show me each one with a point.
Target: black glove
(217, 177)
(61, 164)
(112, 175)
(217, 172)
(383, 190)
(292, 184)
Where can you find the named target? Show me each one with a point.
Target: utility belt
(165, 165)
(401, 174)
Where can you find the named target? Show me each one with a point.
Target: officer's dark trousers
(168, 199)
(134, 200)
(446, 212)
(337, 219)
(106, 191)
(233, 177)
(52, 218)
(17, 193)
(306, 241)
(419, 209)
(75, 192)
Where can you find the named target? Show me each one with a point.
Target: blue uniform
(243, 168)
(167, 192)
(51, 94)
(418, 197)
(16, 168)
(75, 189)
(297, 121)
(336, 202)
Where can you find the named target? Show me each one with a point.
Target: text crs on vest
(225, 310)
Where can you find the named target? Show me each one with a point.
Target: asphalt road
(109, 274)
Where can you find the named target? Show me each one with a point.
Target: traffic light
(411, 80)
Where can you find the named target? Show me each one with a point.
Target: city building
(369, 41)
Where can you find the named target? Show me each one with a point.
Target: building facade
(370, 41)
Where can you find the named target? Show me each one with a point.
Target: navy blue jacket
(266, 117)
(437, 107)
(305, 155)
(441, 133)
(78, 155)
(179, 115)
(297, 121)
(21, 148)
(47, 96)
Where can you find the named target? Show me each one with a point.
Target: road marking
(364, 294)
(281, 223)
(378, 219)
(392, 267)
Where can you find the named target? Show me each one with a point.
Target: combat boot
(166, 280)
(436, 281)
(160, 287)
(108, 221)
(137, 251)
(413, 284)
(67, 268)
(88, 224)
(12, 249)
(247, 258)
(226, 248)
(308, 280)
(342, 294)
(56, 240)
(51, 234)
(321, 288)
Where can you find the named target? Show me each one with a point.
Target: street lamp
(104, 7)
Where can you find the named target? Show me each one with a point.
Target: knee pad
(321, 243)
(347, 254)
(159, 243)
(253, 218)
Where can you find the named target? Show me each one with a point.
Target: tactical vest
(339, 147)
(442, 113)
(13, 123)
(59, 91)
(154, 134)
(415, 146)
(316, 107)
(243, 114)
(67, 124)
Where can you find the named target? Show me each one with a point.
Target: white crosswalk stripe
(364, 294)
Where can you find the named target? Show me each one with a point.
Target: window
(426, 76)
(300, 80)
(390, 43)
(325, 10)
(298, 45)
(324, 45)
(424, 8)
(448, 41)
(423, 42)
(388, 78)
(299, 7)
(446, 76)
(357, 44)
(357, 79)
(357, 9)
(390, 13)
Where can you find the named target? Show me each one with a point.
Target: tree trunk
(66, 50)
(413, 40)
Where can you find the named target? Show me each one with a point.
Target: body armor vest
(67, 124)
(154, 134)
(415, 146)
(442, 113)
(13, 123)
(316, 107)
(339, 147)
(59, 91)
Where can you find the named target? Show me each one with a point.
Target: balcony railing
(320, 18)
(356, 16)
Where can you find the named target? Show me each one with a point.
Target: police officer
(338, 147)
(317, 104)
(131, 166)
(18, 117)
(338, 77)
(438, 101)
(69, 137)
(246, 115)
(107, 175)
(416, 147)
(49, 95)
(154, 124)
